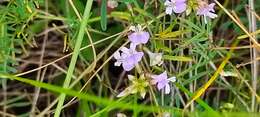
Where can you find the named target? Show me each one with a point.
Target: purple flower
(128, 58)
(112, 4)
(162, 81)
(177, 6)
(138, 36)
(206, 10)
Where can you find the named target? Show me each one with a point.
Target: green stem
(74, 56)
(139, 69)
(135, 103)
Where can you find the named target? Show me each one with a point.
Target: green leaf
(191, 24)
(173, 34)
(104, 15)
(176, 58)
(121, 15)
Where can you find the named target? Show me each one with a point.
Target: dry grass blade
(252, 39)
(224, 62)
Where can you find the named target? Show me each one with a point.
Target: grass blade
(97, 100)
(74, 56)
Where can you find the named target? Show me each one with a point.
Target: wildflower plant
(170, 56)
(130, 58)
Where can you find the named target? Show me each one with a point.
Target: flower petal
(211, 7)
(134, 38)
(179, 7)
(212, 15)
(163, 75)
(160, 86)
(132, 28)
(144, 37)
(117, 55)
(168, 10)
(178, 1)
(138, 28)
(207, 10)
(124, 93)
(167, 89)
(132, 46)
(133, 89)
(117, 63)
(127, 66)
(130, 77)
(167, 3)
(122, 115)
(172, 79)
(142, 93)
(138, 56)
(155, 58)
(112, 4)
(139, 37)
(125, 50)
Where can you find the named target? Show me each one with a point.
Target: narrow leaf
(121, 15)
(176, 58)
(173, 34)
(104, 15)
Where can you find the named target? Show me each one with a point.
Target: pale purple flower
(138, 36)
(162, 82)
(177, 6)
(206, 10)
(128, 58)
(112, 4)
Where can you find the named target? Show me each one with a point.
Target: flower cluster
(179, 6)
(129, 58)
